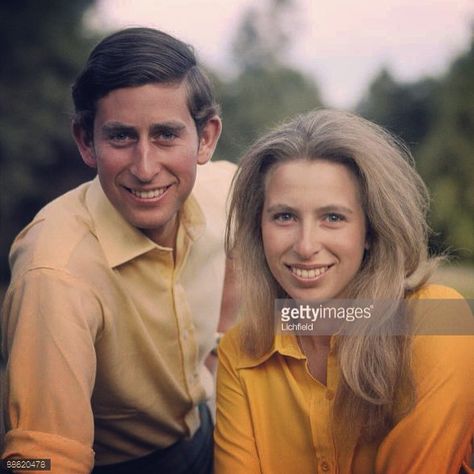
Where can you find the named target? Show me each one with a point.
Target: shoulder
(217, 170)
(54, 236)
(214, 179)
(444, 334)
(231, 349)
(434, 291)
(211, 191)
(440, 310)
(229, 344)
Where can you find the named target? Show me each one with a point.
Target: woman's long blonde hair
(395, 201)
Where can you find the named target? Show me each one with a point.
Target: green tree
(263, 36)
(446, 158)
(435, 117)
(266, 90)
(43, 48)
(406, 109)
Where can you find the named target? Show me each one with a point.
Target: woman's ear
(208, 139)
(368, 236)
(84, 144)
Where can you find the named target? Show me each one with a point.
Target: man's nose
(145, 163)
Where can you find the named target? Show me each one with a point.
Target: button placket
(188, 344)
(329, 394)
(324, 466)
(320, 416)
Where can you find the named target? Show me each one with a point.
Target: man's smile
(149, 194)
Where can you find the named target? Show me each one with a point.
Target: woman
(329, 206)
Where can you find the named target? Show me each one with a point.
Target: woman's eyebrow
(336, 208)
(279, 207)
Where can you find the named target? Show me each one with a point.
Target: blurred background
(406, 65)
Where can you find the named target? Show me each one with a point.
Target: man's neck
(165, 237)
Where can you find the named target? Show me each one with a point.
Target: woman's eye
(283, 217)
(334, 218)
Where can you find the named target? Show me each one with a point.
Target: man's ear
(84, 144)
(208, 140)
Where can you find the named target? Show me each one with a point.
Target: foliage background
(45, 44)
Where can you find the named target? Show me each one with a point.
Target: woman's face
(313, 228)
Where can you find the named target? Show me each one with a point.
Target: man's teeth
(149, 194)
(309, 273)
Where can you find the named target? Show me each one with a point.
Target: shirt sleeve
(436, 435)
(49, 326)
(235, 449)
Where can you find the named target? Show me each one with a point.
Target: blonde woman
(329, 206)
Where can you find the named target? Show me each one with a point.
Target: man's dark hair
(135, 57)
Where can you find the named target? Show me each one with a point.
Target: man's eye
(167, 135)
(119, 137)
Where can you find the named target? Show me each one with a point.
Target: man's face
(145, 148)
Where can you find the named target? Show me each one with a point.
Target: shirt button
(324, 466)
(329, 395)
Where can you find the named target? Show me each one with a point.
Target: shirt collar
(283, 344)
(286, 345)
(122, 242)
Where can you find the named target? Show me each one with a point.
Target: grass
(458, 276)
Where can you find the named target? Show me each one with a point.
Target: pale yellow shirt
(105, 332)
(274, 418)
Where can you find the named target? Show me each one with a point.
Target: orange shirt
(274, 418)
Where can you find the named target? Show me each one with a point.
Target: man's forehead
(161, 104)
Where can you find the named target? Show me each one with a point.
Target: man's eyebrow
(167, 127)
(117, 126)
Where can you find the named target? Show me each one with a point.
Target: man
(116, 286)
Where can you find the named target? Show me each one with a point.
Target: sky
(342, 44)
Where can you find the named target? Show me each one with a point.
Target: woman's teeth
(308, 273)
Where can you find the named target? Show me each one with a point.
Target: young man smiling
(116, 286)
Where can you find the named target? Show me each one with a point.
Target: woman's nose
(308, 240)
